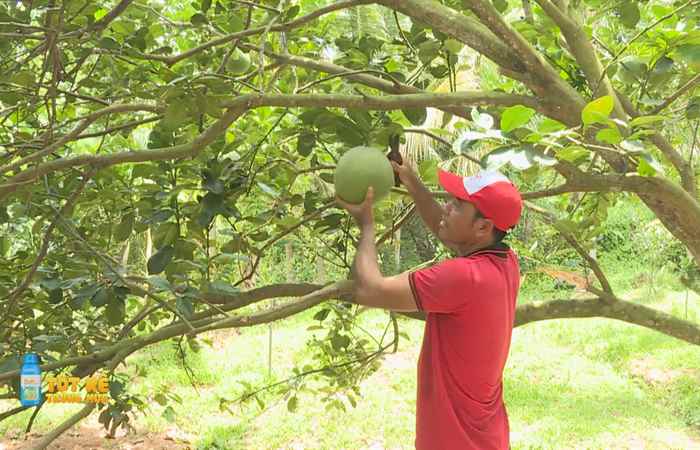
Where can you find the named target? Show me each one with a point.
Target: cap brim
(453, 184)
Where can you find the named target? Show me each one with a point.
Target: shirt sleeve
(443, 288)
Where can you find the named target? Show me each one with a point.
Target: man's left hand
(362, 212)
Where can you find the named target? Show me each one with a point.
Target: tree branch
(590, 261)
(109, 17)
(115, 109)
(681, 90)
(489, 16)
(391, 87)
(684, 168)
(132, 124)
(582, 50)
(623, 310)
(461, 27)
(242, 103)
(564, 104)
(178, 151)
(199, 319)
(170, 60)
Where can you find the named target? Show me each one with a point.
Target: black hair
(498, 235)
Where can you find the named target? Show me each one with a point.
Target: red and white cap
(491, 193)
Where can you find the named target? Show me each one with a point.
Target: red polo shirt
(470, 306)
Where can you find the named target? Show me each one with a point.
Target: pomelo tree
(153, 154)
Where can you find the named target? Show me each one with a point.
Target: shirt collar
(498, 249)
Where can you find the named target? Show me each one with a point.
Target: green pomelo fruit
(360, 168)
(239, 62)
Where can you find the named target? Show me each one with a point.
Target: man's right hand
(407, 174)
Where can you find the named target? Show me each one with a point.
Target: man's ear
(485, 226)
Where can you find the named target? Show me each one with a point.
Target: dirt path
(91, 435)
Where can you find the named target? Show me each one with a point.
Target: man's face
(461, 224)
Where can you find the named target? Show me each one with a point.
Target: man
(468, 301)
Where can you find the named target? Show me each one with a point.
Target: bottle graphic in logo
(30, 381)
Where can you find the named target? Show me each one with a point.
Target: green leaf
(340, 341)
(55, 296)
(206, 4)
(222, 287)
(165, 234)
(609, 135)
(160, 283)
(160, 399)
(50, 284)
(500, 5)
(343, 127)
(629, 13)
(108, 43)
(211, 183)
(211, 205)
(101, 297)
(24, 78)
(428, 51)
(198, 19)
(159, 260)
(125, 227)
(632, 69)
(322, 314)
(690, 54)
(306, 143)
(231, 23)
(416, 116)
(10, 363)
(260, 402)
(115, 388)
(428, 171)
(269, 190)
(515, 116)
(175, 115)
(184, 307)
(169, 414)
(568, 226)
(661, 72)
(292, 404)
(649, 166)
(573, 153)
(115, 312)
(550, 126)
(632, 146)
(291, 13)
(643, 121)
(184, 249)
(238, 62)
(361, 117)
(597, 111)
(692, 111)
(453, 46)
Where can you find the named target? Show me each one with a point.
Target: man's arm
(428, 208)
(371, 288)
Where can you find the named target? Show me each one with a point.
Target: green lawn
(584, 383)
